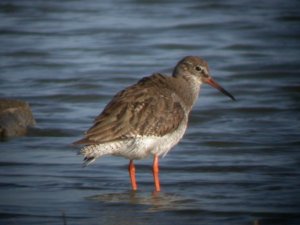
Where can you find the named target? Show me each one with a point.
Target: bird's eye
(198, 68)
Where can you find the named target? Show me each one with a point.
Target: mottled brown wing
(147, 108)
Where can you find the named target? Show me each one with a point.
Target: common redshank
(149, 117)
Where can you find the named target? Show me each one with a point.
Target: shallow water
(239, 161)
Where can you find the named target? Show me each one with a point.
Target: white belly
(138, 148)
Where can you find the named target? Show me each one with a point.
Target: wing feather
(148, 108)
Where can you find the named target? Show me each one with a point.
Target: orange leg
(131, 169)
(156, 173)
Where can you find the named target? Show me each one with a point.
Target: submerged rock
(15, 118)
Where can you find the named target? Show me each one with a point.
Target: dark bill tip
(214, 84)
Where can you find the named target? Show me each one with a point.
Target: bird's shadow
(155, 201)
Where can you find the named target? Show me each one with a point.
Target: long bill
(214, 84)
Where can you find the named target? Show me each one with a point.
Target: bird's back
(148, 108)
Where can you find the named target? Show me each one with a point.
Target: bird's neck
(187, 88)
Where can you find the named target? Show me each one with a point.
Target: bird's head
(193, 66)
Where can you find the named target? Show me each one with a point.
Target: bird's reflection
(156, 201)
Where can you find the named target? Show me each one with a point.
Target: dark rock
(15, 118)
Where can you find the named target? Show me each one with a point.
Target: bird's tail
(90, 153)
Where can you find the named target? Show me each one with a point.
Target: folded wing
(148, 108)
